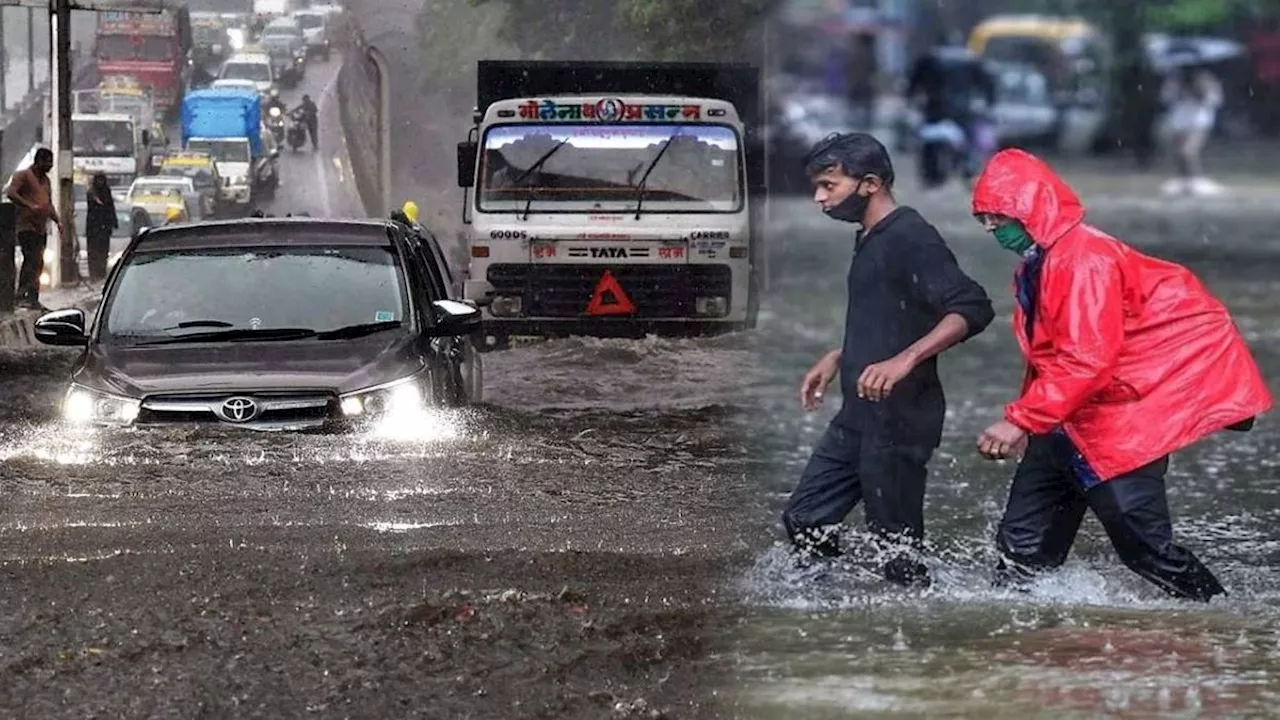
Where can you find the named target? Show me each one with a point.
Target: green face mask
(1013, 237)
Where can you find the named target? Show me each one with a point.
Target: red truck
(152, 48)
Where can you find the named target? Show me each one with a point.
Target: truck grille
(270, 410)
(564, 290)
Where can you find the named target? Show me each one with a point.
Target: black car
(273, 324)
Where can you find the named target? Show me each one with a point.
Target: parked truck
(614, 199)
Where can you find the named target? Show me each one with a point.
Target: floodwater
(1091, 640)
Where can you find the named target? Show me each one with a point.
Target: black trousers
(99, 245)
(33, 246)
(848, 467)
(1046, 505)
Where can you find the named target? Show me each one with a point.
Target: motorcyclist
(273, 100)
(951, 79)
(308, 114)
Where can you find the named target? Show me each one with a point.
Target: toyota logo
(239, 409)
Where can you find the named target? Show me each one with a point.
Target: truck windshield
(256, 72)
(126, 47)
(102, 138)
(600, 168)
(232, 151)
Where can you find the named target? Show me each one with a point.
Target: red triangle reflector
(609, 299)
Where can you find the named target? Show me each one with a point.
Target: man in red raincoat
(1129, 359)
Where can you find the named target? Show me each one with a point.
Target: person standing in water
(908, 302)
(1129, 359)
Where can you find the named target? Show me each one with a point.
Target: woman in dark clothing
(100, 223)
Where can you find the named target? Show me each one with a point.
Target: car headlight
(85, 406)
(403, 397)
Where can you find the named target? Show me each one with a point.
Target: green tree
(634, 29)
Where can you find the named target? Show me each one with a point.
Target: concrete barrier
(22, 126)
(359, 113)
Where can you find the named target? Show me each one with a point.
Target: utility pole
(31, 49)
(4, 68)
(65, 267)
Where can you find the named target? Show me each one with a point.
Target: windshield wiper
(200, 324)
(537, 164)
(236, 335)
(645, 177)
(355, 331)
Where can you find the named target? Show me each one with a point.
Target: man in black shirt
(908, 301)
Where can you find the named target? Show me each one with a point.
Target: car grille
(272, 409)
(564, 290)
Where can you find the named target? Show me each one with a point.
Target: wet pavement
(1093, 640)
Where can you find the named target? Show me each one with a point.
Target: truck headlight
(83, 406)
(399, 398)
(712, 306)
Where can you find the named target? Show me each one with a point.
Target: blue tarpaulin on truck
(223, 113)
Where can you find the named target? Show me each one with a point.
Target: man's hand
(878, 380)
(1002, 440)
(817, 380)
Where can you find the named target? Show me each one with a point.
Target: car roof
(265, 232)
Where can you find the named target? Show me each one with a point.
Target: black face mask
(852, 209)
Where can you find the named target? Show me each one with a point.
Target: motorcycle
(276, 122)
(943, 150)
(297, 134)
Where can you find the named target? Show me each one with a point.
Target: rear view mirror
(454, 318)
(62, 327)
(467, 164)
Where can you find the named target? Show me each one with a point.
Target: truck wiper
(237, 334)
(537, 164)
(361, 330)
(645, 177)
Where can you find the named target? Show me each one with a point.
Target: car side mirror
(453, 317)
(467, 163)
(62, 327)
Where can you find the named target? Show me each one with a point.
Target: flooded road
(565, 550)
(1092, 640)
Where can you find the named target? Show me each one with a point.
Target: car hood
(333, 366)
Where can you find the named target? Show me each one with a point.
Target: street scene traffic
(411, 358)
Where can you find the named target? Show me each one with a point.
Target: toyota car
(271, 324)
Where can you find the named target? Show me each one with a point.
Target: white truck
(110, 144)
(614, 199)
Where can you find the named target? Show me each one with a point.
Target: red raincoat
(1130, 354)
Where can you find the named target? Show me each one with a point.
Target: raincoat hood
(1020, 185)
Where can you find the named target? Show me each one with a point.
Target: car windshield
(222, 150)
(153, 188)
(201, 175)
(130, 47)
(209, 35)
(310, 21)
(256, 72)
(599, 167)
(102, 138)
(321, 288)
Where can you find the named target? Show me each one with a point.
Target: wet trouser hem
(1046, 506)
(848, 467)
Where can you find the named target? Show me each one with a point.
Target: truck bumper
(495, 332)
